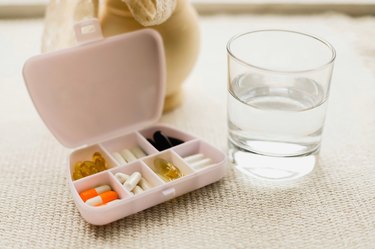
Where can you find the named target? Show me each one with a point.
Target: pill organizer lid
(101, 88)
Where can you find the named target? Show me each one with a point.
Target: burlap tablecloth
(334, 207)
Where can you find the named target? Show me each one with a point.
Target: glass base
(272, 168)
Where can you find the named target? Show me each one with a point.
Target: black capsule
(175, 141)
(162, 142)
(151, 142)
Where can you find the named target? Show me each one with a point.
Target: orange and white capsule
(102, 198)
(107, 204)
(88, 194)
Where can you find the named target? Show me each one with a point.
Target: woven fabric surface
(333, 207)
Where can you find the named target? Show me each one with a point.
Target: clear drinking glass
(278, 88)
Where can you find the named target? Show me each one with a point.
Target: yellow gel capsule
(88, 164)
(77, 166)
(97, 155)
(167, 170)
(77, 171)
(77, 175)
(94, 170)
(99, 161)
(100, 166)
(86, 168)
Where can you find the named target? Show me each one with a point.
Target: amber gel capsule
(77, 174)
(99, 162)
(86, 168)
(167, 170)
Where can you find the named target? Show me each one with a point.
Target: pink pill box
(105, 95)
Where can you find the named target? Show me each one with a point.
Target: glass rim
(326, 43)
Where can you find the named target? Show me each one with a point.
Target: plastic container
(106, 95)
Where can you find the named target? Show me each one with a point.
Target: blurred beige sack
(61, 15)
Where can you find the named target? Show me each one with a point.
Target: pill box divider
(108, 154)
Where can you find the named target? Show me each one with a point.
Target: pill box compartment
(101, 178)
(141, 167)
(172, 157)
(96, 97)
(148, 133)
(128, 142)
(85, 154)
(101, 214)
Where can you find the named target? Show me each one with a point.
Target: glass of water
(278, 89)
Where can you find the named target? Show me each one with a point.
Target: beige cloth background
(334, 207)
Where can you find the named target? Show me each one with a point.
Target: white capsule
(132, 181)
(143, 183)
(128, 156)
(118, 157)
(121, 177)
(138, 152)
(137, 190)
(202, 163)
(194, 158)
(204, 166)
